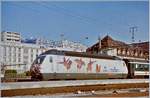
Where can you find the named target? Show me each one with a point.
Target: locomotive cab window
(51, 59)
(39, 60)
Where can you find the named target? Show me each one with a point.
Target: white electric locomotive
(54, 64)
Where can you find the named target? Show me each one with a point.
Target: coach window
(51, 59)
(146, 67)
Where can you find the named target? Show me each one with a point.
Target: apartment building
(14, 54)
(10, 37)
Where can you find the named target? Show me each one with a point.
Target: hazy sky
(76, 20)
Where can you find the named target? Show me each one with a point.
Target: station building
(109, 46)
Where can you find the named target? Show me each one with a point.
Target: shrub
(10, 71)
(28, 73)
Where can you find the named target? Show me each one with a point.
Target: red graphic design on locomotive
(79, 63)
(98, 68)
(67, 63)
(89, 66)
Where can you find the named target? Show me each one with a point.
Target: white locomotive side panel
(71, 64)
(47, 65)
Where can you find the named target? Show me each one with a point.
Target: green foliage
(28, 73)
(10, 71)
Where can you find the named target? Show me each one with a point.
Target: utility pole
(62, 39)
(62, 36)
(132, 30)
(86, 38)
(99, 47)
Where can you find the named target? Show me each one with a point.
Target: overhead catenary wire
(67, 12)
(73, 14)
(70, 13)
(62, 10)
(26, 7)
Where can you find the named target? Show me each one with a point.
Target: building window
(124, 52)
(25, 62)
(31, 57)
(135, 53)
(128, 52)
(4, 59)
(119, 51)
(9, 51)
(14, 59)
(10, 59)
(19, 59)
(5, 51)
(19, 49)
(132, 52)
(14, 50)
(141, 53)
(25, 50)
(19, 55)
(37, 51)
(31, 50)
(25, 57)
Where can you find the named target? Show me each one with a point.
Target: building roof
(109, 42)
(143, 45)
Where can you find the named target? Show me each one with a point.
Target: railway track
(114, 89)
(55, 89)
(131, 92)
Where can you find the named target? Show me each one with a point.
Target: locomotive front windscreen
(39, 60)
